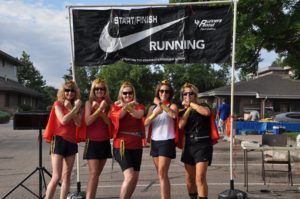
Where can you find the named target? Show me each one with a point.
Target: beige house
(272, 91)
(12, 94)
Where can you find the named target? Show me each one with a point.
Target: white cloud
(267, 58)
(41, 32)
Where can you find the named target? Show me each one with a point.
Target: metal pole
(74, 79)
(152, 5)
(72, 44)
(232, 85)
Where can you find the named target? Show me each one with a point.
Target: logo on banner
(207, 24)
(111, 44)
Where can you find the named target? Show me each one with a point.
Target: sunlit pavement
(19, 157)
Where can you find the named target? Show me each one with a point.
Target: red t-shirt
(67, 131)
(98, 130)
(128, 124)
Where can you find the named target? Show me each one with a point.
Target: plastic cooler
(278, 130)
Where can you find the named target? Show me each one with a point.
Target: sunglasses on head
(188, 93)
(99, 89)
(69, 90)
(127, 93)
(164, 91)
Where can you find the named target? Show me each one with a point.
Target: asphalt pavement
(19, 157)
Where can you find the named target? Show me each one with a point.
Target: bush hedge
(4, 117)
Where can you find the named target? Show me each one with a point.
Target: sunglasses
(164, 91)
(188, 93)
(99, 89)
(128, 93)
(69, 90)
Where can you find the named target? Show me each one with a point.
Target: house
(272, 91)
(13, 95)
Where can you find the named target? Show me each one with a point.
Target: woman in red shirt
(97, 147)
(129, 130)
(63, 145)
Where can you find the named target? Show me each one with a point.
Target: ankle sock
(193, 195)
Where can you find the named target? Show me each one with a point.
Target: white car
(292, 117)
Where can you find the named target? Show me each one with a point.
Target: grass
(292, 135)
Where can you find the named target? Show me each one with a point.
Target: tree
(84, 77)
(143, 77)
(50, 96)
(28, 75)
(204, 76)
(271, 25)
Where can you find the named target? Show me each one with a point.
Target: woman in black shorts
(97, 147)
(198, 148)
(161, 118)
(63, 120)
(129, 130)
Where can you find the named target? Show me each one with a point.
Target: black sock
(202, 197)
(193, 195)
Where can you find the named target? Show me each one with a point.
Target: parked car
(293, 117)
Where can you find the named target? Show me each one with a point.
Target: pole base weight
(232, 194)
(75, 195)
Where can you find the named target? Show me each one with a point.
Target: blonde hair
(192, 87)
(70, 84)
(124, 85)
(92, 95)
(162, 83)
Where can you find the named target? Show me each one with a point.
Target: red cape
(51, 127)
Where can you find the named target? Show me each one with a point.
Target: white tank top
(163, 127)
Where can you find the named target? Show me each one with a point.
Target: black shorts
(97, 150)
(197, 152)
(131, 158)
(62, 147)
(166, 148)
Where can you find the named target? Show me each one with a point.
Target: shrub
(25, 107)
(4, 117)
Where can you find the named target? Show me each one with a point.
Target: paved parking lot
(19, 157)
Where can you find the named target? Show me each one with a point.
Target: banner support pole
(153, 5)
(78, 190)
(232, 193)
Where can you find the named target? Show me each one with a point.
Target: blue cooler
(278, 130)
(275, 130)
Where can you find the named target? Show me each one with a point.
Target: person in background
(161, 117)
(254, 115)
(97, 147)
(198, 148)
(63, 144)
(222, 115)
(129, 130)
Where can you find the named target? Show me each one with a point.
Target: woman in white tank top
(161, 118)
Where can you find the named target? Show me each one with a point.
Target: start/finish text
(135, 20)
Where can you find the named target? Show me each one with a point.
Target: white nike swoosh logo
(111, 44)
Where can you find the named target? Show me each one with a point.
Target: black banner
(189, 34)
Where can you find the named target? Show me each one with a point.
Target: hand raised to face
(68, 104)
(103, 105)
(95, 104)
(157, 110)
(77, 103)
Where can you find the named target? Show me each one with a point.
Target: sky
(41, 29)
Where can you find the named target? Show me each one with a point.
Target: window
(293, 115)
